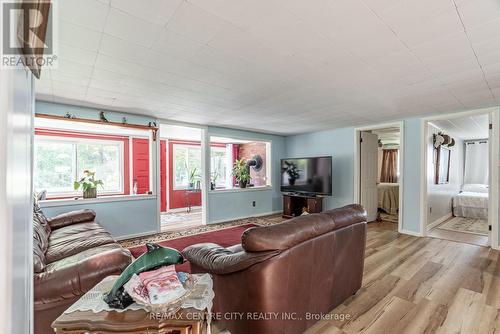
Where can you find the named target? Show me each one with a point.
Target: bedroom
(458, 179)
(380, 173)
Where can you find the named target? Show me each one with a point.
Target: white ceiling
(281, 66)
(471, 127)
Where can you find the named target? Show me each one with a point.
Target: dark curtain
(389, 173)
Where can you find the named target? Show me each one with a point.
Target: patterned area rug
(467, 225)
(262, 221)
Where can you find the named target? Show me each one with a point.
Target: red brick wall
(247, 151)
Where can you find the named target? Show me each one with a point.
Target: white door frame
(357, 162)
(493, 163)
(204, 162)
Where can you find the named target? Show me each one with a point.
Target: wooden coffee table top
(131, 321)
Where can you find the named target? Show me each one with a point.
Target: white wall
(16, 231)
(439, 196)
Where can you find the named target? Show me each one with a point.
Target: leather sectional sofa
(282, 277)
(71, 254)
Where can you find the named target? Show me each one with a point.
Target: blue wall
(121, 219)
(237, 204)
(339, 144)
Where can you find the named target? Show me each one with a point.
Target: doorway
(378, 175)
(458, 177)
(181, 177)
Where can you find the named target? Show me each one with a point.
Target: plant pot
(90, 193)
(191, 185)
(212, 186)
(243, 184)
(291, 181)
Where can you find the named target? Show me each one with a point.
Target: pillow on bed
(475, 188)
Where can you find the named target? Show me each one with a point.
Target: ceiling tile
(155, 11)
(90, 14)
(131, 28)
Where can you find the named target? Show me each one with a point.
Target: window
(61, 161)
(218, 166)
(187, 166)
(255, 155)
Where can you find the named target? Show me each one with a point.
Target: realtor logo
(28, 35)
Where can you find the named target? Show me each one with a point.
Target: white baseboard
(244, 217)
(415, 234)
(439, 221)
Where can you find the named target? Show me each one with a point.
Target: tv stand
(296, 204)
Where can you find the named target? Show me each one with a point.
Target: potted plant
(213, 181)
(292, 171)
(241, 172)
(193, 177)
(89, 184)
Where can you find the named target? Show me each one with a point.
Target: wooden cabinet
(295, 205)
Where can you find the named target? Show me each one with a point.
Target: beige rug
(467, 225)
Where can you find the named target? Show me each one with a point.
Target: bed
(388, 197)
(471, 202)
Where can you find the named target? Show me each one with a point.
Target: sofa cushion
(287, 234)
(41, 232)
(73, 239)
(75, 275)
(70, 218)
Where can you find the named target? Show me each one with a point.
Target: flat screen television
(307, 175)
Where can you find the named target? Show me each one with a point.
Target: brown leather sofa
(71, 254)
(289, 273)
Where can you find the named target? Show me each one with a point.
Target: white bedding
(471, 205)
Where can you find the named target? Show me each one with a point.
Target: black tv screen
(307, 175)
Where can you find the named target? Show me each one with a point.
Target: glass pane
(53, 166)
(180, 167)
(218, 166)
(104, 160)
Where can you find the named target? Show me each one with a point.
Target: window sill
(237, 190)
(103, 199)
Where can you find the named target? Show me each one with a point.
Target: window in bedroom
(253, 156)
(59, 161)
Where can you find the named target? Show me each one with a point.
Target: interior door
(163, 175)
(140, 164)
(368, 177)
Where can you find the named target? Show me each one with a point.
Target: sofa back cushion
(40, 241)
(297, 230)
(41, 234)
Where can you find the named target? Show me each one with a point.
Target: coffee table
(186, 321)
(91, 315)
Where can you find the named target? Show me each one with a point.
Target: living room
(178, 166)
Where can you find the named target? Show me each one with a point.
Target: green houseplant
(89, 184)
(193, 177)
(241, 172)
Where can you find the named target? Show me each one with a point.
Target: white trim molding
(357, 176)
(493, 208)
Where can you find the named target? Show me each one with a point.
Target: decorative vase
(90, 193)
(243, 183)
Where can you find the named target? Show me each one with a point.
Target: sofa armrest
(215, 259)
(73, 276)
(69, 218)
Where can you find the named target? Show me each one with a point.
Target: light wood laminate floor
(421, 285)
